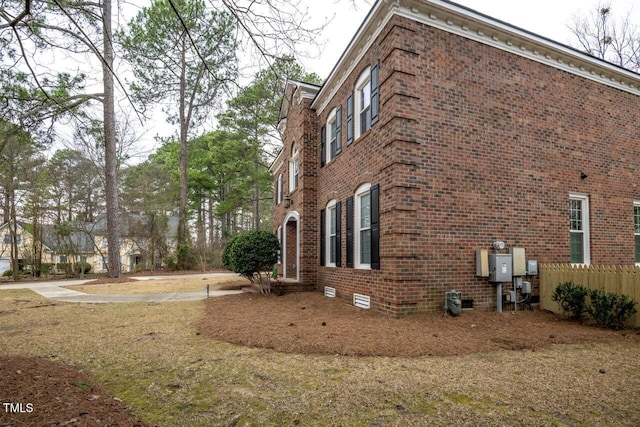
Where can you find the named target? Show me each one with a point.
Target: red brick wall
(474, 145)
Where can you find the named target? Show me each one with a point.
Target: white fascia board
(473, 25)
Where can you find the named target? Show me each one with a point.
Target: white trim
(361, 191)
(327, 131)
(296, 216)
(586, 240)
(636, 204)
(279, 189)
(294, 169)
(363, 80)
(281, 247)
(331, 206)
(475, 26)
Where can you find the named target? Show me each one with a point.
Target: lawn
(154, 358)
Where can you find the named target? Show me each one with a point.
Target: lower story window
(579, 229)
(636, 226)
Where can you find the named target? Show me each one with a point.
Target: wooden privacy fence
(619, 279)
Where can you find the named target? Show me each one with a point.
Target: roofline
(463, 21)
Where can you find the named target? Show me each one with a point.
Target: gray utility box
(500, 268)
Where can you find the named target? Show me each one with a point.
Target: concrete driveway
(54, 290)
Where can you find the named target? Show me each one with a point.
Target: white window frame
(363, 190)
(363, 80)
(294, 170)
(331, 207)
(636, 232)
(280, 240)
(279, 186)
(331, 120)
(584, 208)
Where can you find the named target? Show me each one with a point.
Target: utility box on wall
(500, 268)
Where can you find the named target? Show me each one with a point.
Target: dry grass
(156, 286)
(151, 356)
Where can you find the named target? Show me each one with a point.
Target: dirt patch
(38, 392)
(161, 285)
(309, 323)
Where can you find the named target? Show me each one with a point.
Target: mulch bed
(38, 392)
(309, 323)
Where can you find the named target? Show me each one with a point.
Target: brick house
(439, 131)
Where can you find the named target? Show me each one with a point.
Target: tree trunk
(182, 208)
(113, 226)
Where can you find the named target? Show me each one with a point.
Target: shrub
(610, 310)
(572, 299)
(227, 260)
(81, 267)
(7, 273)
(252, 255)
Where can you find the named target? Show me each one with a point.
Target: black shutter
(338, 130)
(375, 92)
(350, 119)
(322, 242)
(350, 232)
(338, 234)
(375, 227)
(322, 144)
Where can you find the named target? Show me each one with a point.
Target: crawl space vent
(329, 292)
(361, 301)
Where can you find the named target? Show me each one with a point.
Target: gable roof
(465, 22)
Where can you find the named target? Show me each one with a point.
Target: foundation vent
(329, 292)
(362, 301)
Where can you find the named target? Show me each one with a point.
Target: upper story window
(636, 229)
(279, 190)
(366, 102)
(294, 170)
(7, 239)
(579, 229)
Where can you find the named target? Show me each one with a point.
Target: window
(579, 229)
(363, 228)
(279, 189)
(330, 235)
(365, 103)
(105, 263)
(280, 240)
(7, 239)
(636, 229)
(62, 259)
(294, 170)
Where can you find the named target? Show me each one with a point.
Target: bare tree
(602, 35)
(72, 27)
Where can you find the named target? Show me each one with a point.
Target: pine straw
(169, 373)
(309, 323)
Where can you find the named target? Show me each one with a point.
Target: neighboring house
(24, 241)
(440, 131)
(142, 244)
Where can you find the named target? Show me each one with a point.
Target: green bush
(45, 268)
(7, 273)
(572, 299)
(252, 255)
(610, 310)
(81, 267)
(227, 259)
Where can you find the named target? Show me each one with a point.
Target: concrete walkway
(54, 290)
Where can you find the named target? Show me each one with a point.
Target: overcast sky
(548, 18)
